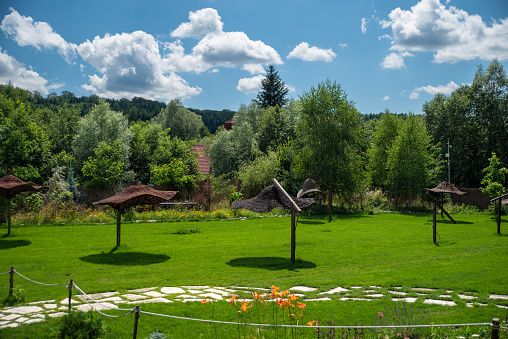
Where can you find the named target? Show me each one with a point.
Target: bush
(157, 335)
(80, 325)
(17, 297)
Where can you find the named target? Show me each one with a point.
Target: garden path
(41, 310)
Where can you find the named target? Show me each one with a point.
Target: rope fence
(495, 324)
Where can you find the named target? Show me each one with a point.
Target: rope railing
(495, 325)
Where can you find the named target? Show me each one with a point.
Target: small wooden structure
(444, 187)
(275, 196)
(132, 196)
(10, 186)
(500, 201)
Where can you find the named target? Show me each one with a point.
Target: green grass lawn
(386, 250)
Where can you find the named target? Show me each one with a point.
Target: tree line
(68, 142)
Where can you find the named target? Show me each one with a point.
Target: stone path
(41, 310)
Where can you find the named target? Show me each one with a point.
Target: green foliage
(80, 325)
(157, 335)
(17, 297)
(273, 90)
(403, 314)
(275, 127)
(235, 196)
(494, 178)
(59, 188)
(146, 138)
(258, 174)
(182, 123)
(174, 174)
(409, 160)
(213, 119)
(104, 169)
(331, 136)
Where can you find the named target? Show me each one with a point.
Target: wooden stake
(118, 226)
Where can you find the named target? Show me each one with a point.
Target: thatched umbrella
(308, 186)
(10, 186)
(132, 196)
(275, 196)
(444, 187)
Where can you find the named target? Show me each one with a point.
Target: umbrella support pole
(8, 216)
(118, 226)
(434, 222)
(441, 207)
(293, 235)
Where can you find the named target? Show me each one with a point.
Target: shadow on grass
(446, 221)
(125, 258)
(271, 263)
(311, 222)
(7, 244)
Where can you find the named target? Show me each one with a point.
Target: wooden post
(118, 226)
(494, 334)
(329, 205)
(11, 281)
(136, 319)
(8, 216)
(293, 234)
(499, 217)
(434, 222)
(71, 283)
(442, 206)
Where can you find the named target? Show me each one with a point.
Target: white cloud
(363, 26)
(311, 53)
(131, 65)
(15, 72)
(433, 90)
(343, 45)
(451, 33)
(250, 85)
(393, 61)
(386, 97)
(40, 35)
(202, 22)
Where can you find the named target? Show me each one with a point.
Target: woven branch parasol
(10, 186)
(133, 196)
(446, 187)
(269, 198)
(308, 186)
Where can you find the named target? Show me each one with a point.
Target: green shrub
(157, 335)
(80, 325)
(17, 297)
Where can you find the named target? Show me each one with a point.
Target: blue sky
(390, 54)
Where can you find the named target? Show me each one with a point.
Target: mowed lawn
(383, 249)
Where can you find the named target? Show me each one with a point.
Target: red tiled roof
(203, 161)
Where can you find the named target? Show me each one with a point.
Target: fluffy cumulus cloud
(451, 33)
(250, 85)
(13, 71)
(311, 53)
(433, 90)
(393, 61)
(130, 65)
(40, 35)
(201, 23)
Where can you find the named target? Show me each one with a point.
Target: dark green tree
(273, 90)
(183, 123)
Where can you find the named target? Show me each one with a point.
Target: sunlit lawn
(383, 250)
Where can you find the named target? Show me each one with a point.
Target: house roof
(203, 160)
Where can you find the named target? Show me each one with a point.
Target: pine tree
(273, 90)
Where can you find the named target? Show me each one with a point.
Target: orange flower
(204, 301)
(232, 300)
(311, 323)
(245, 306)
(300, 305)
(293, 297)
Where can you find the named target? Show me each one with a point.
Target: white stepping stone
(11, 317)
(187, 296)
(211, 296)
(196, 287)
(141, 290)
(66, 301)
(97, 295)
(194, 291)
(335, 290)
(24, 309)
(41, 302)
(420, 289)
(398, 292)
(439, 302)
(356, 287)
(303, 289)
(374, 286)
(478, 304)
(97, 307)
(498, 296)
(408, 299)
(502, 306)
(149, 301)
(50, 306)
(216, 291)
(445, 296)
(154, 294)
(369, 291)
(172, 290)
(56, 315)
(356, 299)
(377, 295)
(10, 325)
(318, 299)
(134, 296)
(190, 300)
(113, 299)
(466, 297)
(21, 320)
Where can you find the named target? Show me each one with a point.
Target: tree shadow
(310, 222)
(271, 263)
(125, 258)
(7, 244)
(457, 222)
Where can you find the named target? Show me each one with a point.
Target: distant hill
(213, 119)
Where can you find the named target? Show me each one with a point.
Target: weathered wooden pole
(293, 234)
(118, 226)
(136, 319)
(434, 222)
(499, 217)
(8, 216)
(494, 334)
(329, 205)
(11, 281)
(71, 283)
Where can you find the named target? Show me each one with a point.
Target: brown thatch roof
(269, 198)
(11, 185)
(445, 187)
(137, 195)
(308, 186)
